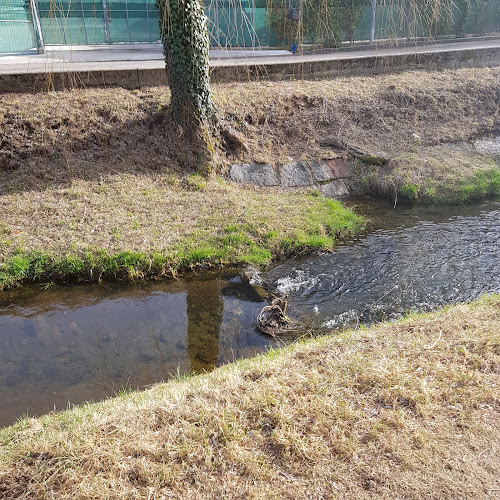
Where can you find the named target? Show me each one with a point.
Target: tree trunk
(183, 29)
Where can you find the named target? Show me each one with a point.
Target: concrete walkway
(145, 56)
(142, 64)
(109, 57)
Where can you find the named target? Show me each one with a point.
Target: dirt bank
(47, 140)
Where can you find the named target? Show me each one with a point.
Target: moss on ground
(399, 410)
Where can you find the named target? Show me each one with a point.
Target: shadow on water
(70, 344)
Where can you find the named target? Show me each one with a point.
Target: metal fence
(16, 27)
(241, 23)
(232, 23)
(90, 22)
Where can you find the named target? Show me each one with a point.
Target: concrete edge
(331, 176)
(283, 70)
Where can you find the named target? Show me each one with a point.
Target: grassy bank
(94, 183)
(440, 174)
(399, 410)
(130, 227)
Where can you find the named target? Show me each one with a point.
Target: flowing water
(413, 259)
(69, 344)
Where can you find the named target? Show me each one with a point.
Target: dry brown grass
(401, 410)
(203, 221)
(141, 214)
(375, 114)
(48, 140)
(106, 169)
(413, 119)
(87, 172)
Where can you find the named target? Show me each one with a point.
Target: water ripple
(390, 272)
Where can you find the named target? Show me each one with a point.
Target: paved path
(149, 56)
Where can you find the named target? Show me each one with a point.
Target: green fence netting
(232, 23)
(90, 22)
(16, 27)
(469, 17)
(239, 24)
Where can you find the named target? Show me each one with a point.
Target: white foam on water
(288, 284)
(256, 279)
(344, 319)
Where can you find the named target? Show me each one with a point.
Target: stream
(412, 259)
(63, 345)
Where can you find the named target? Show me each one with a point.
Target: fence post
(217, 29)
(372, 22)
(38, 28)
(252, 6)
(106, 22)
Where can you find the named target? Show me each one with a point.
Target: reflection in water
(71, 344)
(204, 312)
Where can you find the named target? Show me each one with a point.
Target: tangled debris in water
(273, 319)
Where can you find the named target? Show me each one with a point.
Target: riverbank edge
(231, 249)
(323, 224)
(77, 167)
(399, 183)
(343, 178)
(391, 408)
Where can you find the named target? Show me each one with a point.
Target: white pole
(106, 22)
(38, 28)
(252, 3)
(372, 23)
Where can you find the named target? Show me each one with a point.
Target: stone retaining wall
(331, 177)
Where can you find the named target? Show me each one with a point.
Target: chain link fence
(234, 23)
(16, 27)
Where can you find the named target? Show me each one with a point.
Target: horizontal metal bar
(13, 21)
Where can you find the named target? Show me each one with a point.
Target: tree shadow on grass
(48, 140)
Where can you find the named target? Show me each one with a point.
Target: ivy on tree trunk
(184, 34)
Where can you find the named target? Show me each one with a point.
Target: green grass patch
(433, 175)
(196, 182)
(482, 184)
(409, 192)
(257, 235)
